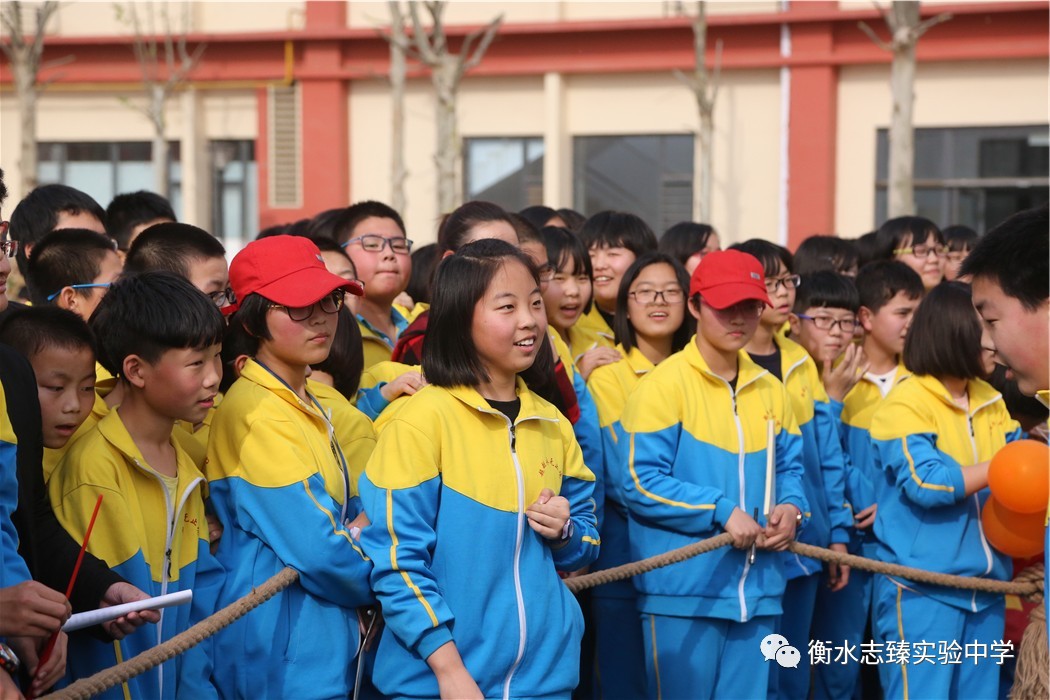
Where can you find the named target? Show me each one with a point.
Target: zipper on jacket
(977, 507)
(517, 559)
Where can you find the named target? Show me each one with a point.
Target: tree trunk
(26, 92)
(159, 152)
(446, 153)
(398, 69)
(901, 193)
(706, 169)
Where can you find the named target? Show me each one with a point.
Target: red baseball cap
(727, 277)
(287, 270)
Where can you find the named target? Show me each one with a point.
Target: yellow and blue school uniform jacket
(369, 399)
(157, 543)
(454, 557)
(13, 569)
(830, 519)
(375, 344)
(590, 331)
(922, 440)
(861, 475)
(353, 430)
(282, 490)
(610, 385)
(695, 450)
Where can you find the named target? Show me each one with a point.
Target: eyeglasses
(8, 248)
(750, 308)
(789, 282)
(330, 304)
(102, 285)
(375, 244)
(649, 296)
(923, 250)
(957, 256)
(223, 297)
(826, 323)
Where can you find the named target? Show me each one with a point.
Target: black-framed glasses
(89, 285)
(922, 251)
(9, 249)
(330, 304)
(826, 323)
(375, 244)
(223, 297)
(649, 296)
(787, 282)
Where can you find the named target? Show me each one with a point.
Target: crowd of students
(434, 438)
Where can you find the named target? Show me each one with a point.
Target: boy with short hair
(374, 237)
(695, 453)
(72, 269)
(60, 347)
(50, 208)
(187, 251)
(131, 213)
(161, 337)
(888, 292)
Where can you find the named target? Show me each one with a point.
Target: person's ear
(68, 299)
(796, 324)
(864, 316)
(239, 362)
(134, 370)
(694, 307)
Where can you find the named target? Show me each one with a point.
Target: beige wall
(89, 18)
(746, 126)
(960, 94)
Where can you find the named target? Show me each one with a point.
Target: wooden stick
(771, 465)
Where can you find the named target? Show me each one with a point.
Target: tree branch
(420, 38)
(874, 37)
(931, 23)
(487, 35)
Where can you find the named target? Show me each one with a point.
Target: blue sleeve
(653, 493)
(13, 569)
(401, 540)
(589, 436)
(923, 474)
(833, 470)
(789, 464)
(300, 523)
(582, 548)
(371, 402)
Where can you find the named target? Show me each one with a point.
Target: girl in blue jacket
(478, 494)
(933, 438)
(282, 488)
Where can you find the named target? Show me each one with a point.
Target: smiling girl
(478, 494)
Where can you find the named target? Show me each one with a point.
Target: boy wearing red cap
(281, 486)
(699, 462)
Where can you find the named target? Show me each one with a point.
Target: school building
(575, 105)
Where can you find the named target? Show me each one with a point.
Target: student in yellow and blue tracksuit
(934, 436)
(160, 336)
(282, 488)
(652, 324)
(696, 438)
(13, 569)
(613, 240)
(478, 494)
(888, 291)
(829, 518)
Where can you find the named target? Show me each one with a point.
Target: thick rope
(116, 675)
(1029, 584)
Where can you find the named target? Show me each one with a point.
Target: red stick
(69, 589)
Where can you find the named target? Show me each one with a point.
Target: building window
(507, 171)
(647, 175)
(106, 169)
(975, 176)
(235, 191)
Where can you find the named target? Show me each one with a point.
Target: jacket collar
(747, 370)
(258, 374)
(638, 362)
(981, 393)
(531, 408)
(112, 428)
(792, 355)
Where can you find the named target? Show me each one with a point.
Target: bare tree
(398, 43)
(165, 61)
(446, 72)
(704, 84)
(24, 52)
(902, 19)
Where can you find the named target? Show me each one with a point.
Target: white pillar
(557, 145)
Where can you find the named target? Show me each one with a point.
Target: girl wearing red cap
(698, 460)
(281, 486)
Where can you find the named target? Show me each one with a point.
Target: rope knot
(1033, 576)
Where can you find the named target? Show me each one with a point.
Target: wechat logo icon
(776, 647)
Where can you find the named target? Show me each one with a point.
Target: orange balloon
(1012, 533)
(1019, 476)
